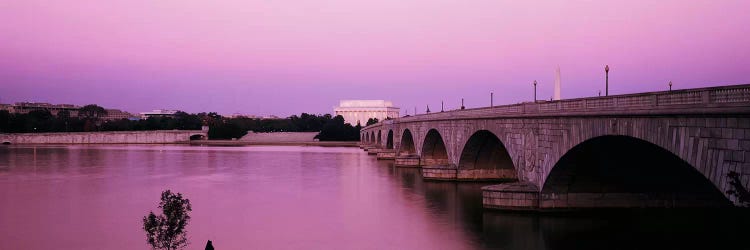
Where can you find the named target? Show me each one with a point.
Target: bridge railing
(652, 102)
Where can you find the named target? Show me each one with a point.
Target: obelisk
(557, 84)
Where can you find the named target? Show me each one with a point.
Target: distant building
(240, 115)
(159, 113)
(359, 111)
(54, 109)
(26, 107)
(6, 107)
(116, 114)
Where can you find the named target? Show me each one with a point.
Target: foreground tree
(737, 189)
(167, 231)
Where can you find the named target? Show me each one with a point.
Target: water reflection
(91, 197)
(460, 205)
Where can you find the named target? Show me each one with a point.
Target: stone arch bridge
(657, 149)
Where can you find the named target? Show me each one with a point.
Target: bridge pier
(525, 196)
(368, 147)
(511, 196)
(386, 154)
(439, 172)
(452, 173)
(407, 161)
(374, 151)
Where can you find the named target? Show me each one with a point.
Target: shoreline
(248, 143)
(211, 143)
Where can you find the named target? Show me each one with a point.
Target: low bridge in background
(656, 149)
(107, 137)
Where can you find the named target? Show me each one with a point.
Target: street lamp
(428, 108)
(442, 106)
(534, 90)
(491, 99)
(606, 79)
(670, 85)
(462, 103)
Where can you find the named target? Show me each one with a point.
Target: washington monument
(557, 84)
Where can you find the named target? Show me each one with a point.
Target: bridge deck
(714, 100)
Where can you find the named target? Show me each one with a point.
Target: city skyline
(282, 59)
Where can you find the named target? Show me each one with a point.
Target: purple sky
(287, 57)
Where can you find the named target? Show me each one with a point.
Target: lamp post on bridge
(606, 80)
(462, 103)
(442, 106)
(670, 85)
(491, 99)
(534, 90)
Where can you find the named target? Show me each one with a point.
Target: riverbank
(106, 137)
(252, 143)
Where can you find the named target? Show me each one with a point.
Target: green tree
(41, 121)
(371, 121)
(62, 121)
(737, 189)
(92, 114)
(167, 231)
(92, 111)
(5, 119)
(337, 130)
(187, 121)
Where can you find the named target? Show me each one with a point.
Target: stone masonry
(708, 128)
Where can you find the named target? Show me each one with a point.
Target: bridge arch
(379, 138)
(389, 140)
(407, 144)
(485, 154)
(434, 151)
(372, 137)
(624, 171)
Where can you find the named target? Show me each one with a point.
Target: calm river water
(93, 197)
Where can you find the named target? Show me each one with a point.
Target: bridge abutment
(525, 196)
(407, 161)
(374, 150)
(386, 154)
(452, 173)
(439, 172)
(497, 174)
(511, 196)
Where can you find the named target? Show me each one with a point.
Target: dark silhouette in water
(209, 246)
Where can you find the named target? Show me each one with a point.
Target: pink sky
(288, 57)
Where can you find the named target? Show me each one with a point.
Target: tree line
(220, 127)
